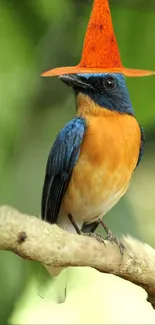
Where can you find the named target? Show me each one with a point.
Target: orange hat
(100, 51)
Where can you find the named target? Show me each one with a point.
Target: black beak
(75, 81)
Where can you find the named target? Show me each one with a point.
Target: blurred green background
(36, 35)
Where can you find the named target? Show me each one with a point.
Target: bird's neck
(86, 106)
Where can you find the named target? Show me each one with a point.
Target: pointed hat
(100, 51)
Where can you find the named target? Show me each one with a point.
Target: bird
(93, 157)
(91, 162)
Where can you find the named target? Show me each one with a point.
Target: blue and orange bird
(92, 160)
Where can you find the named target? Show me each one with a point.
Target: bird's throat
(86, 106)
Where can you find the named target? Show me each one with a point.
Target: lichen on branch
(34, 239)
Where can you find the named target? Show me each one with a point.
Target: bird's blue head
(108, 90)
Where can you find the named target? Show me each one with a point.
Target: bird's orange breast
(109, 154)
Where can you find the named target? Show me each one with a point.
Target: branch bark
(34, 239)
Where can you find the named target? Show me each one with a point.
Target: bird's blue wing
(142, 145)
(61, 161)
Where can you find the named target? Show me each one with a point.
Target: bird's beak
(75, 81)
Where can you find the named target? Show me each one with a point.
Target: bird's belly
(93, 192)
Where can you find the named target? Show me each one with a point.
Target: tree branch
(34, 239)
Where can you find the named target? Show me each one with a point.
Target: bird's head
(106, 90)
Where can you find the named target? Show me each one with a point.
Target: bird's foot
(96, 236)
(112, 238)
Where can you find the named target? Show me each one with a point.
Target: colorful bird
(90, 165)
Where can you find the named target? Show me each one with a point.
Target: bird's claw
(96, 236)
(110, 237)
(114, 240)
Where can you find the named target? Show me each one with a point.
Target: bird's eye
(109, 83)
